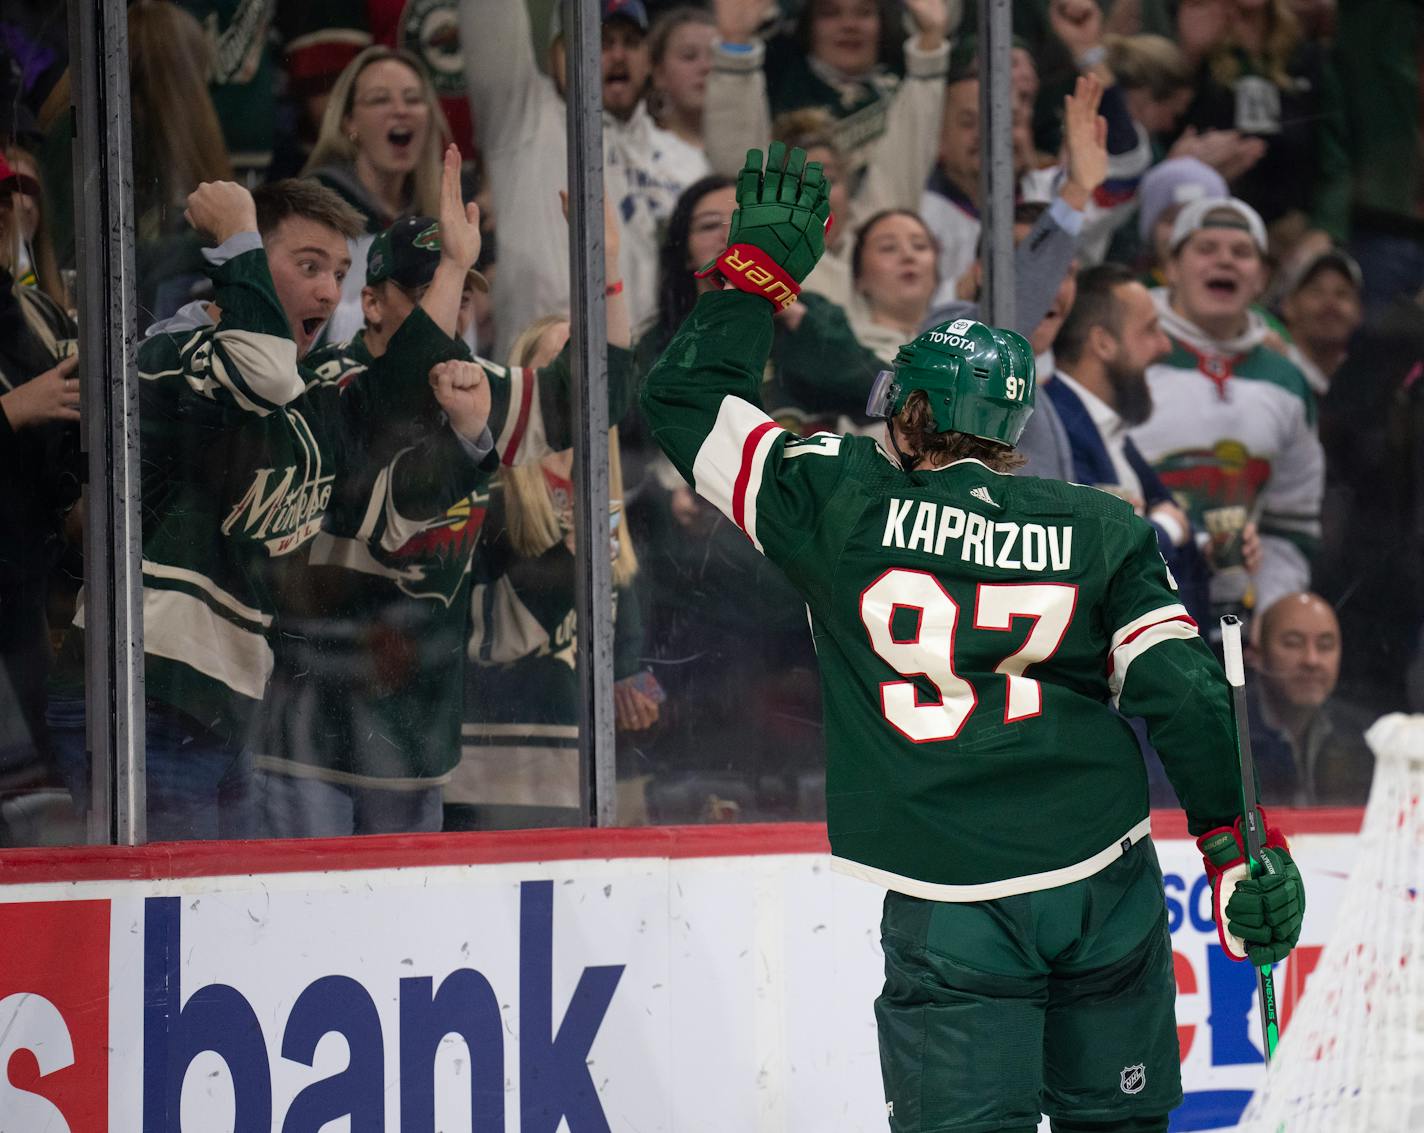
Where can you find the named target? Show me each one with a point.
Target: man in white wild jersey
(1232, 430)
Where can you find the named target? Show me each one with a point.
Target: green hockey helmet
(979, 380)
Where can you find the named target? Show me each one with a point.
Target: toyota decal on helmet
(979, 380)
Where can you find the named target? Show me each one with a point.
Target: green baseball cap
(407, 253)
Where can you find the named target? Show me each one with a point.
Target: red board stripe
(393, 851)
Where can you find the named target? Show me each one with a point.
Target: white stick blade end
(1231, 651)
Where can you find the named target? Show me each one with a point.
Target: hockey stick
(1256, 862)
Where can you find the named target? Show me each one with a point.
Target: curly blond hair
(917, 426)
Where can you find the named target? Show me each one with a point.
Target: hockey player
(244, 453)
(975, 632)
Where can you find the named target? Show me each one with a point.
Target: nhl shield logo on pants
(1133, 1078)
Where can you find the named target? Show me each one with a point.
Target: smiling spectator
(1322, 311)
(379, 147)
(1310, 749)
(1232, 430)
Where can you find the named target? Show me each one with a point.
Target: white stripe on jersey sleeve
(1167, 623)
(746, 497)
(210, 588)
(265, 365)
(522, 438)
(517, 415)
(729, 465)
(184, 628)
(1152, 617)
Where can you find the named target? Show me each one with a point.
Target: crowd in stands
(352, 254)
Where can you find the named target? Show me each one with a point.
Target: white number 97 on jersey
(928, 651)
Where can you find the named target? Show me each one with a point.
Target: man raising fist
(244, 452)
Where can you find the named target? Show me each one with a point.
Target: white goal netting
(1352, 1058)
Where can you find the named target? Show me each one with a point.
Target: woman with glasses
(379, 147)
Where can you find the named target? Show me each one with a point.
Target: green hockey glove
(1258, 918)
(779, 226)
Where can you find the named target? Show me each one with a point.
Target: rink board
(684, 980)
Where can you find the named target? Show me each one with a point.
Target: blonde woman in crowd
(520, 754)
(380, 145)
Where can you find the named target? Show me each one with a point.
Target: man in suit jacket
(1099, 388)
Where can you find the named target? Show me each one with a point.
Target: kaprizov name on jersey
(996, 543)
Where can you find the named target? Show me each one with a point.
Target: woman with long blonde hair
(379, 146)
(519, 764)
(1258, 75)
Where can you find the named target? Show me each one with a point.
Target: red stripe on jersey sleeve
(1135, 634)
(744, 474)
(521, 421)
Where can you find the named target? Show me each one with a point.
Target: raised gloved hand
(1257, 918)
(779, 226)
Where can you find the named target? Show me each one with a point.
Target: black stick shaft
(1257, 862)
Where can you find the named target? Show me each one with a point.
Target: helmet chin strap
(907, 462)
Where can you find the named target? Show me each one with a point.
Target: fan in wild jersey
(980, 638)
(244, 453)
(360, 729)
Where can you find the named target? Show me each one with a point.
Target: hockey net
(1352, 1059)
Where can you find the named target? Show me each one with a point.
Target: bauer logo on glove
(779, 227)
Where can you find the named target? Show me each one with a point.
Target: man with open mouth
(1232, 431)
(361, 726)
(523, 134)
(244, 453)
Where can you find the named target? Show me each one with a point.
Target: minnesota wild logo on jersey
(430, 29)
(434, 563)
(283, 508)
(1226, 474)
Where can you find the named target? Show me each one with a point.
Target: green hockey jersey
(243, 455)
(369, 681)
(975, 634)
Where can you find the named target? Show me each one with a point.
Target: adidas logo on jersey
(982, 493)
